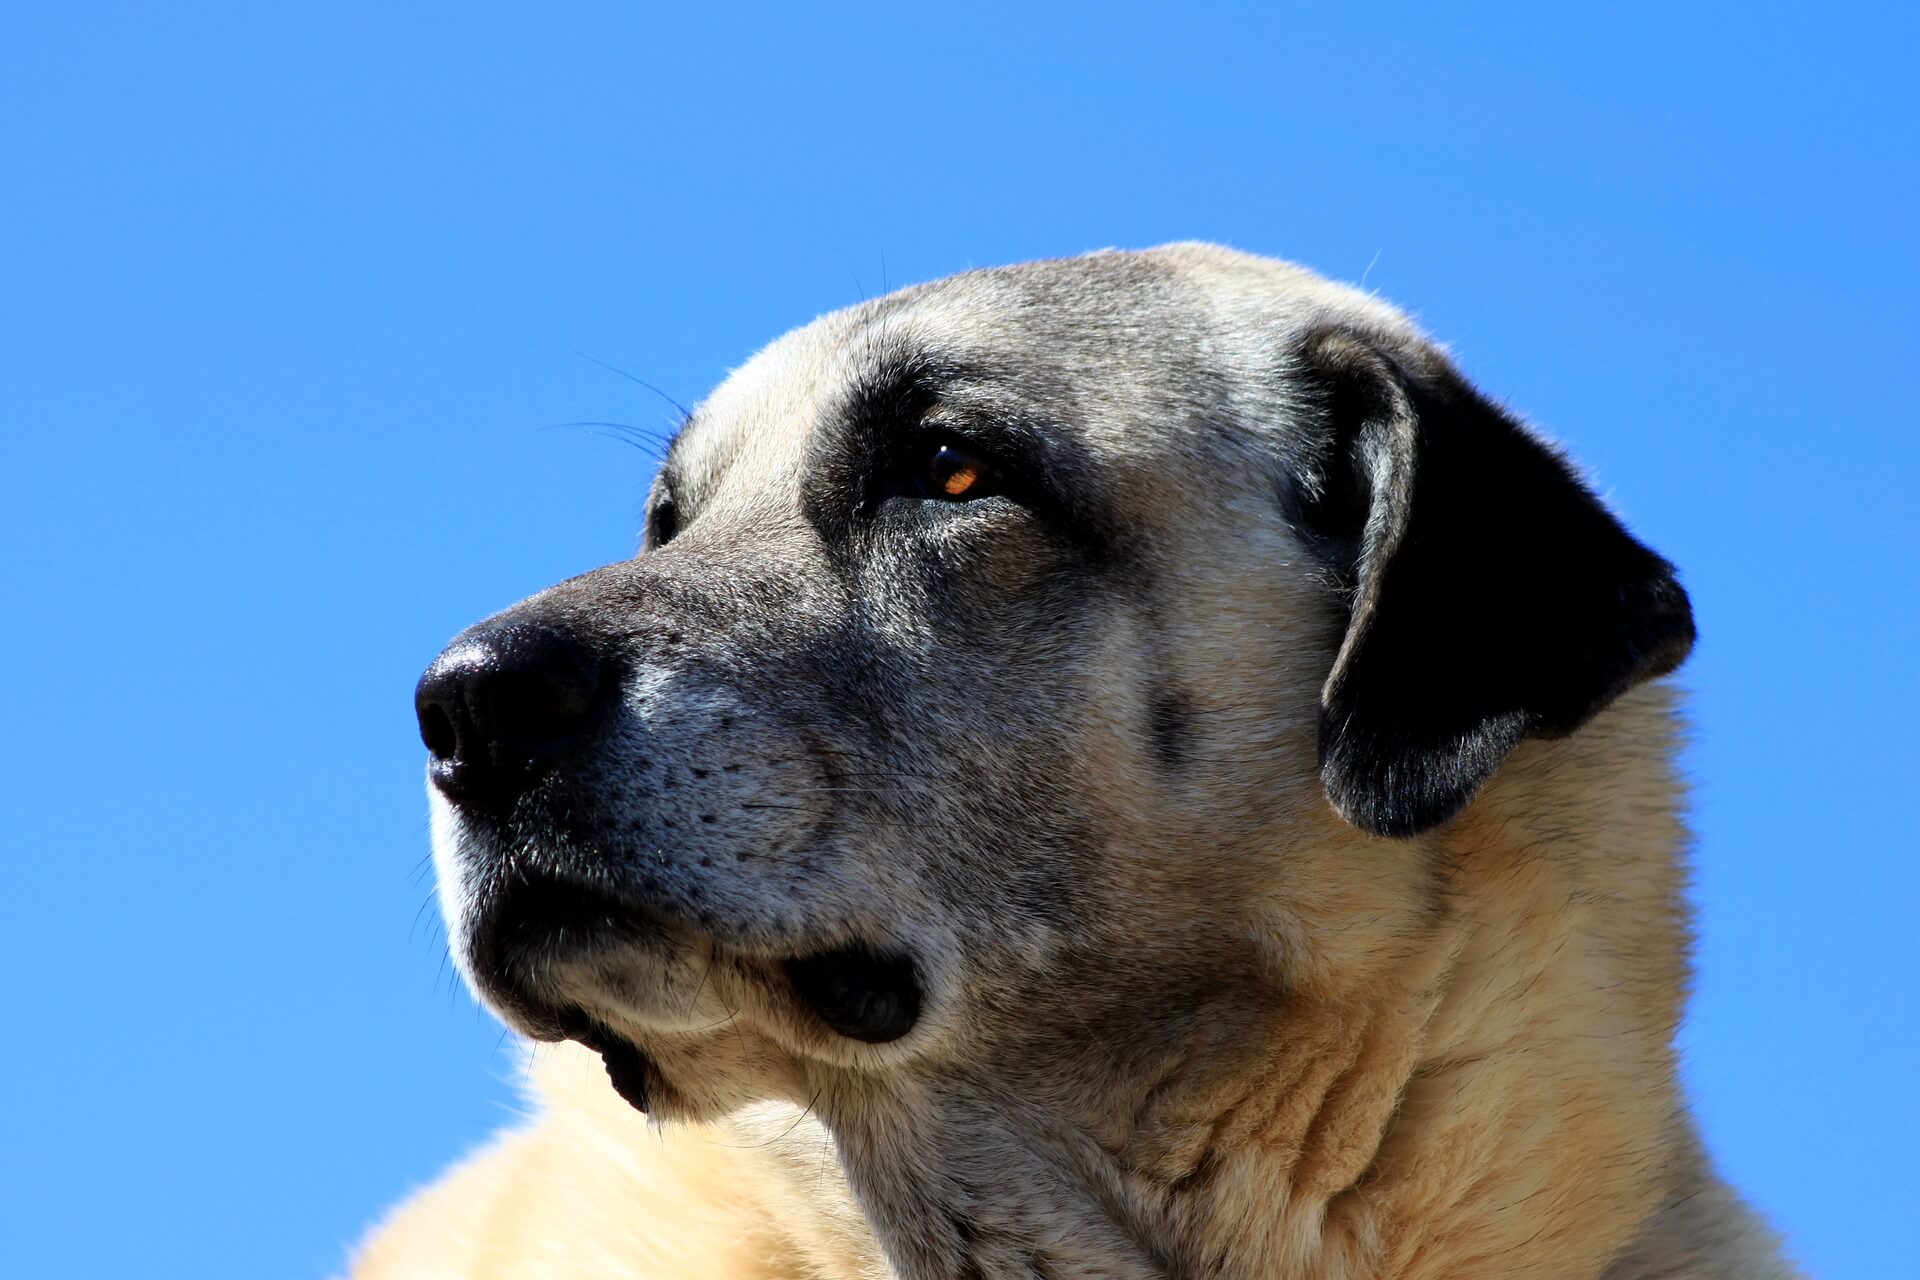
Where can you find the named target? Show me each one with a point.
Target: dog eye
(950, 473)
(663, 521)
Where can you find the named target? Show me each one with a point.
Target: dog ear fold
(1492, 596)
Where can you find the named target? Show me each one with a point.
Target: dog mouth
(630, 1071)
(534, 926)
(860, 993)
(857, 992)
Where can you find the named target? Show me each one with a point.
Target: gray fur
(1059, 759)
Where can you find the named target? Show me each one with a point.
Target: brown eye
(952, 474)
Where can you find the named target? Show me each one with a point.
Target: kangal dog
(1126, 766)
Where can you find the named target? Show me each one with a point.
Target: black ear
(1492, 596)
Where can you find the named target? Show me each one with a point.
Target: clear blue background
(291, 300)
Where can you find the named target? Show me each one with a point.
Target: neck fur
(1494, 1097)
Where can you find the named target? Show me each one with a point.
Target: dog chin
(564, 957)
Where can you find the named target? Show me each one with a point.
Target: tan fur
(1443, 1057)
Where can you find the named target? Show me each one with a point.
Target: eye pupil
(954, 473)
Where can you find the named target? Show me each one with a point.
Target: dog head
(1024, 677)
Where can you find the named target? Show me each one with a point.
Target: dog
(1114, 767)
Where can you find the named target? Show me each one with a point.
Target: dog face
(1005, 712)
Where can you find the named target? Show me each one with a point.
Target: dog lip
(553, 918)
(629, 1070)
(860, 993)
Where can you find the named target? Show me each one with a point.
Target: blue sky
(296, 296)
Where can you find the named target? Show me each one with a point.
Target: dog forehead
(1107, 338)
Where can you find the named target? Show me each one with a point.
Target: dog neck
(1498, 1104)
(1496, 1095)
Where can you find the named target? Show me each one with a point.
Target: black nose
(499, 705)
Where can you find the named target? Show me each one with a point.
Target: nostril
(500, 704)
(437, 731)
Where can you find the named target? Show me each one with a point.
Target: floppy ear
(1492, 596)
